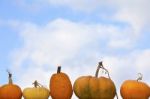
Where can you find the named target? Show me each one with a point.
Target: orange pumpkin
(88, 87)
(60, 85)
(135, 89)
(10, 90)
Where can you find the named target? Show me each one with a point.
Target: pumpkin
(60, 85)
(89, 87)
(10, 90)
(135, 89)
(37, 92)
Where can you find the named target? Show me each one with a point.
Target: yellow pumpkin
(37, 92)
(135, 89)
(10, 90)
(88, 87)
(60, 85)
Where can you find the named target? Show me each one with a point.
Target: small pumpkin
(10, 90)
(89, 87)
(135, 89)
(60, 85)
(37, 92)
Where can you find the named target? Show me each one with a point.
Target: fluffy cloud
(63, 39)
(134, 14)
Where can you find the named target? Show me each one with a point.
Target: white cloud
(124, 9)
(144, 56)
(61, 40)
(134, 13)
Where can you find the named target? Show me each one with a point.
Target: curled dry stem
(140, 76)
(100, 66)
(9, 77)
(37, 84)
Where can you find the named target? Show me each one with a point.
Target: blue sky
(38, 35)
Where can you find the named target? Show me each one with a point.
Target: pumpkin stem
(140, 76)
(100, 66)
(97, 70)
(9, 77)
(58, 69)
(36, 84)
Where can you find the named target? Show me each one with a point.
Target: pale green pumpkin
(37, 92)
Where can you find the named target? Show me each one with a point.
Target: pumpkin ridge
(89, 87)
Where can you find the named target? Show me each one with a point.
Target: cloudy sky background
(38, 35)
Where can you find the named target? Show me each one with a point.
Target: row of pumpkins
(85, 87)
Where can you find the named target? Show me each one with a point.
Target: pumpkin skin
(89, 87)
(60, 86)
(36, 92)
(10, 90)
(133, 89)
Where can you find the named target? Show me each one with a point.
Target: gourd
(10, 90)
(37, 92)
(89, 87)
(60, 85)
(135, 89)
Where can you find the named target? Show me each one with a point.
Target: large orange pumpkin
(60, 85)
(134, 89)
(10, 90)
(88, 87)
